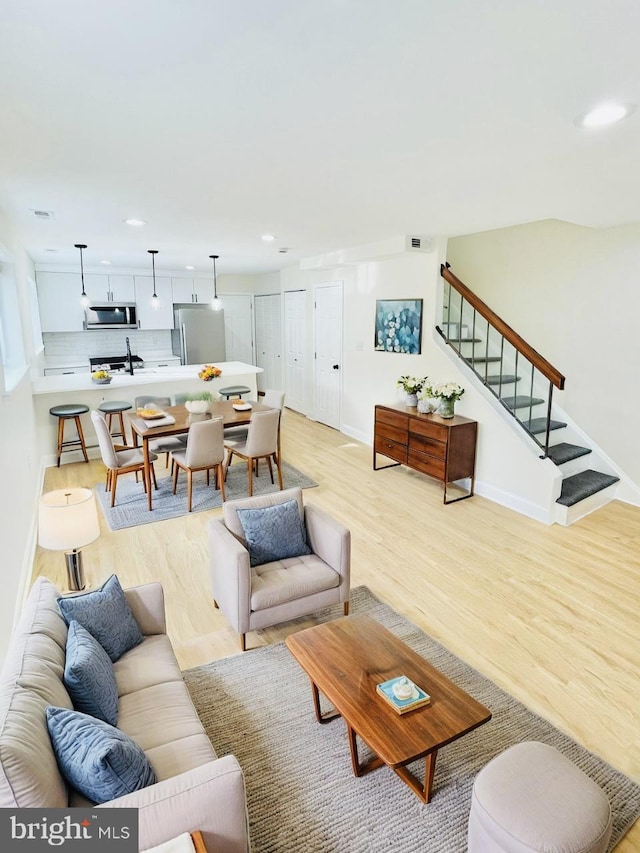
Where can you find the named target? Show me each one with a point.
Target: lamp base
(75, 575)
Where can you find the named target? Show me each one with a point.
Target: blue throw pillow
(106, 615)
(89, 676)
(95, 758)
(274, 532)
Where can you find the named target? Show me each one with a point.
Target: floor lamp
(68, 520)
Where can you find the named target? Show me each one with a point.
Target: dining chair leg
(153, 477)
(176, 471)
(279, 467)
(114, 483)
(208, 472)
(229, 458)
(189, 487)
(270, 469)
(220, 476)
(250, 475)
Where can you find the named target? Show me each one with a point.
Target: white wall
(19, 458)
(573, 294)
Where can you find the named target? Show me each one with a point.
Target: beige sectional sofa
(195, 789)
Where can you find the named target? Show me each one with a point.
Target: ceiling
(328, 124)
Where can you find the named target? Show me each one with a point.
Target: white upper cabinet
(109, 288)
(197, 290)
(59, 301)
(148, 317)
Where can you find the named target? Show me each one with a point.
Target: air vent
(283, 250)
(42, 214)
(418, 243)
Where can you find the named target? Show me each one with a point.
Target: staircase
(523, 382)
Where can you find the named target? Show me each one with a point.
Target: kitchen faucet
(129, 359)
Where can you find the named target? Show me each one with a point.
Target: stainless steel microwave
(111, 315)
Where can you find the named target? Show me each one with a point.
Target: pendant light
(216, 304)
(84, 299)
(154, 299)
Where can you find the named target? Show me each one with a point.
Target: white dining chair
(118, 458)
(262, 443)
(204, 452)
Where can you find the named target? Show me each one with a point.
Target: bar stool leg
(81, 437)
(60, 438)
(122, 432)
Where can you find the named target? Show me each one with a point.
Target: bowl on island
(101, 377)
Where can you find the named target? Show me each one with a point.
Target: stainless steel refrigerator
(198, 334)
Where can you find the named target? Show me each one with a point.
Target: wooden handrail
(548, 370)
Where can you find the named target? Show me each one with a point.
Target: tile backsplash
(83, 345)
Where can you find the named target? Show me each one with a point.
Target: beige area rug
(302, 795)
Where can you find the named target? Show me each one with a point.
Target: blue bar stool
(234, 391)
(65, 413)
(115, 407)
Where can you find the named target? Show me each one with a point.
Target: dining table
(144, 429)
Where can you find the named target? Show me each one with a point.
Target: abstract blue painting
(398, 325)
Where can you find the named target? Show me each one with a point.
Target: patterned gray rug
(302, 795)
(131, 500)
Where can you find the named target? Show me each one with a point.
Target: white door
(295, 321)
(268, 315)
(238, 327)
(328, 353)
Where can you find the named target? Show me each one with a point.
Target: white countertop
(179, 373)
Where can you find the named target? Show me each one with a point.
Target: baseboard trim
(514, 502)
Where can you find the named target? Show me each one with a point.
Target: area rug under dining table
(131, 502)
(302, 795)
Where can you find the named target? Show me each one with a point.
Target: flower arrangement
(446, 391)
(412, 384)
(209, 372)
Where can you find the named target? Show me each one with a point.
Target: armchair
(254, 597)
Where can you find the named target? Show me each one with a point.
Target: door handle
(336, 367)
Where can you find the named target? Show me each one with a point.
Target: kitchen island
(51, 391)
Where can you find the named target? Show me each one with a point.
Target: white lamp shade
(68, 519)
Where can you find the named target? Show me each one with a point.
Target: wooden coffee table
(346, 659)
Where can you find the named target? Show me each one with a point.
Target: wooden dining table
(183, 420)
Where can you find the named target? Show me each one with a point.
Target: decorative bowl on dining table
(196, 407)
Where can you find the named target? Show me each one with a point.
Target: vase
(412, 400)
(446, 407)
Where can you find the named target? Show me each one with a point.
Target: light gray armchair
(254, 597)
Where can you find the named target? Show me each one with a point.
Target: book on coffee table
(392, 691)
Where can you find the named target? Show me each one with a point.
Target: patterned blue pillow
(95, 758)
(89, 676)
(107, 616)
(274, 532)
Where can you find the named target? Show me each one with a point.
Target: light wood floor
(548, 613)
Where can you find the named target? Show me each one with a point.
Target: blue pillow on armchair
(89, 676)
(106, 615)
(274, 532)
(95, 758)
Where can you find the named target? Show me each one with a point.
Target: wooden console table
(444, 448)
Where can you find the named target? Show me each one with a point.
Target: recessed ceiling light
(189, 268)
(135, 222)
(106, 263)
(268, 238)
(604, 115)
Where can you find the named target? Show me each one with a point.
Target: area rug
(302, 795)
(131, 500)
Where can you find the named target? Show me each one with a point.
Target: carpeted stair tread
(505, 379)
(538, 425)
(564, 452)
(465, 340)
(521, 401)
(583, 485)
(484, 359)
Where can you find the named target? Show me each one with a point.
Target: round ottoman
(531, 798)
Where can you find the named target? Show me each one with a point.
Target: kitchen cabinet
(172, 361)
(197, 290)
(444, 448)
(59, 301)
(148, 317)
(109, 288)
